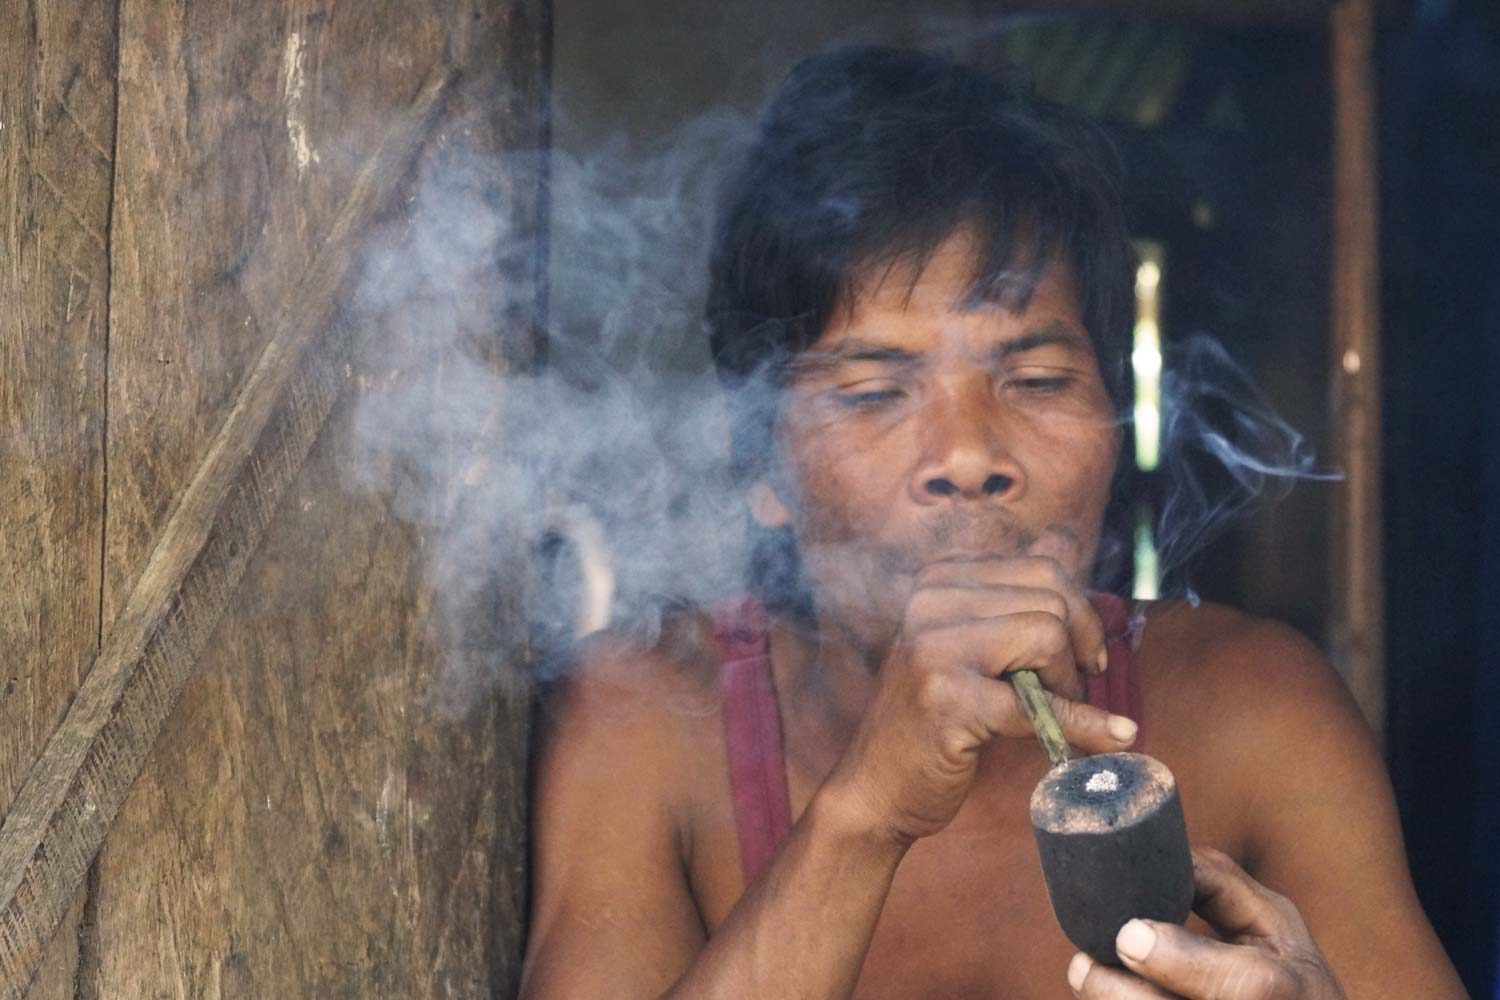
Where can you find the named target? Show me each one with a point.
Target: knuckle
(1056, 607)
(1283, 906)
(920, 606)
(1054, 573)
(1277, 982)
(1216, 856)
(934, 692)
(1255, 980)
(1052, 636)
(1065, 711)
(953, 743)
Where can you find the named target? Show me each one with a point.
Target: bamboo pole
(62, 813)
(1358, 619)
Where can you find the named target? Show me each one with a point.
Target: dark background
(1439, 68)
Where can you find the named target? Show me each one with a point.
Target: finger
(1086, 631)
(1231, 901)
(1092, 981)
(938, 606)
(1090, 729)
(1061, 545)
(1190, 964)
(1027, 640)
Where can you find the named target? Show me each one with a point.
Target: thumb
(1231, 901)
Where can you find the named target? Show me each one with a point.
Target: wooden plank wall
(314, 822)
(57, 121)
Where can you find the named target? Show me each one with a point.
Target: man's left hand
(1265, 951)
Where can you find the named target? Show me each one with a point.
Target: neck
(827, 673)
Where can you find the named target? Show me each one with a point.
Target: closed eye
(867, 398)
(1042, 384)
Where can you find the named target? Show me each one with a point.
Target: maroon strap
(752, 720)
(752, 730)
(1119, 689)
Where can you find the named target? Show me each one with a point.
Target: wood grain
(1358, 613)
(56, 159)
(59, 817)
(317, 819)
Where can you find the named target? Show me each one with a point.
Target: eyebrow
(813, 361)
(1055, 333)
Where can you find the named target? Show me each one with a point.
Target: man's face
(917, 428)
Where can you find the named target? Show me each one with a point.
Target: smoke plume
(615, 453)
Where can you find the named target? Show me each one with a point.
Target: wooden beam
(1358, 619)
(1313, 13)
(62, 813)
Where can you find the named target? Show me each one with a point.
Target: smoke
(1223, 450)
(615, 452)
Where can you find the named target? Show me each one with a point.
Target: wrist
(842, 815)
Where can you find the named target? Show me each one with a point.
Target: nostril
(941, 487)
(997, 484)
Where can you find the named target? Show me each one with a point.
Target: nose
(965, 453)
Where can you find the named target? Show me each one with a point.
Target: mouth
(974, 539)
(970, 556)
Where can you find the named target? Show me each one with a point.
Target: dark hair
(870, 156)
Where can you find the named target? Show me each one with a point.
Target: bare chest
(967, 915)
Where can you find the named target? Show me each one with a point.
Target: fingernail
(1135, 940)
(1102, 660)
(1078, 971)
(1121, 728)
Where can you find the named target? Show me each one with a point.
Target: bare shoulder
(620, 675)
(1234, 702)
(1211, 664)
(1278, 768)
(617, 786)
(633, 705)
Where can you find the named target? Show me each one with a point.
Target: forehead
(934, 300)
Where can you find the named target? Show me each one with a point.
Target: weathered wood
(315, 820)
(1357, 634)
(1308, 12)
(56, 157)
(59, 817)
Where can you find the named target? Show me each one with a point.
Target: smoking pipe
(1111, 835)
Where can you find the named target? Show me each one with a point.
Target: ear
(766, 507)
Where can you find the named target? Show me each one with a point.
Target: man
(919, 304)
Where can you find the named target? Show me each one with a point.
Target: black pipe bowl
(1112, 848)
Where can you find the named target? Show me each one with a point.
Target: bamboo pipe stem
(1034, 703)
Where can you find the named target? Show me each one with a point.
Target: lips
(955, 537)
(969, 556)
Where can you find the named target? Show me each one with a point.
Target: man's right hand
(940, 696)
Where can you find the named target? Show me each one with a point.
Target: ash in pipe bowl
(1114, 846)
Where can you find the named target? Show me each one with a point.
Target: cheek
(1077, 461)
(839, 477)
(840, 495)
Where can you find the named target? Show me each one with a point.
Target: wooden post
(57, 115)
(314, 818)
(62, 813)
(1358, 614)
(253, 790)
